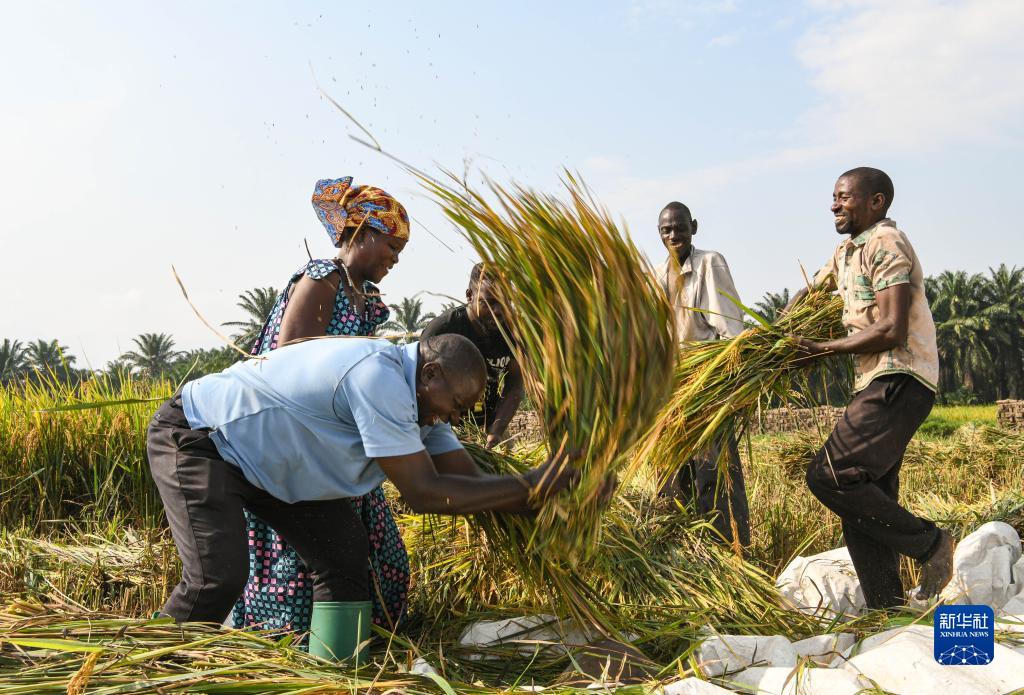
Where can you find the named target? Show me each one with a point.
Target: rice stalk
(590, 328)
(44, 651)
(721, 383)
(79, 464)
(655, 573)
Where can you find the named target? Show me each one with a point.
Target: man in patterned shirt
(892, 338)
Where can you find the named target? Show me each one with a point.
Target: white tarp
(823, 649)
(775, 680)
(526, 634)
(902, 661)
(987, 567)
(693, 686)
(730, 653)
(825, 583)
(423, 667)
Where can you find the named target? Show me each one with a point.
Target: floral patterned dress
(279, 593)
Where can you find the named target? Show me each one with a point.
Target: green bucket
(337, 628)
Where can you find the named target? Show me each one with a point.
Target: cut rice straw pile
(99, 654)
(655, 573)
(592, 331)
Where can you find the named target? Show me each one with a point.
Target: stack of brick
(1011, 415)
(779, 420)
(524, 429)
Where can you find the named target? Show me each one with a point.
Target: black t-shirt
(494, 348)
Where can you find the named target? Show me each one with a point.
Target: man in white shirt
(700, 289)
(294, 435)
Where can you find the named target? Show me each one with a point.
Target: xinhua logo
(964, 635)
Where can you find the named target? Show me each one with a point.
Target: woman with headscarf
(335, 296)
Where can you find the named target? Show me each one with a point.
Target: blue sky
(134, 136)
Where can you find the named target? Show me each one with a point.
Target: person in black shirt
(479, 320)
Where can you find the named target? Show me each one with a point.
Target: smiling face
(372, 254)
(853, 208)
(444, 397)
(676, 229)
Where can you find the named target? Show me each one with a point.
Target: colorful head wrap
(339, 204)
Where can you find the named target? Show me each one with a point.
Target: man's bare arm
(457, 462)
(428, 491)
(800, 294)
(889, 331)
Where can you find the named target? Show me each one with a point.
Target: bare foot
(937, 570)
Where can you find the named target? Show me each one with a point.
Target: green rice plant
(59, 462)
(945, 420)
(590, 327)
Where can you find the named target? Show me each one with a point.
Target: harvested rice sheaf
(720, 384)
(590, 327)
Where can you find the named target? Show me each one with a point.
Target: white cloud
(723, 41)
(914, 74)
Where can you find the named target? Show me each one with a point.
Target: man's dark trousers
(700, 486)
(203, 498)
(856, 475)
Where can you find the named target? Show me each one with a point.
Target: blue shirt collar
(410, 358)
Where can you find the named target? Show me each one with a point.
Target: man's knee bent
(819, 476)
(217, 592)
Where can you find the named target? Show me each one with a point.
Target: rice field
(84, 560)
(944, 420)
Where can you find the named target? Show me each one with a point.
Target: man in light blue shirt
(294, 434)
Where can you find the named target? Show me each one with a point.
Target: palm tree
(117, 371)
(407, 318)
(1003, 296)
(196, 363)
(772, 303)
(49, 357)
(12, 360)
(154, 355)
(961, 329)
(257, 304)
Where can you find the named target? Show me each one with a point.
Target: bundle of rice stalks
(53, 652)
(720, 383)
(655, 574)
(590, 328)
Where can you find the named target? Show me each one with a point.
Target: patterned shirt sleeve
(827, 274)
(318, 269)
(888, 258)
